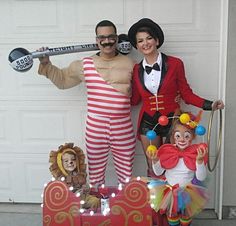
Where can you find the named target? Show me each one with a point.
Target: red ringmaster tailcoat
(173, 81)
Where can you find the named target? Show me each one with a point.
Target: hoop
(218, 143)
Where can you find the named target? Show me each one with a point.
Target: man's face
(106, 39)
(69, 162)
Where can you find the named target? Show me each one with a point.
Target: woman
(158, 79)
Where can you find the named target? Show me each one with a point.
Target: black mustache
(107, 44)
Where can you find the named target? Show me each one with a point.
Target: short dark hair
(105, 23)
(147, 30)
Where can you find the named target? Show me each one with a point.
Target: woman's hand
(218, 104)
(178, 98)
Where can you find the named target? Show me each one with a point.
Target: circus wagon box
(68, 200)
(128, 206)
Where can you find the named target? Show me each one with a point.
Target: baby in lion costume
(68, 165)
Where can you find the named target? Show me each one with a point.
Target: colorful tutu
(172, 200)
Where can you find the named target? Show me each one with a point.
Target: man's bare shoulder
(126, 59)
(118, 59)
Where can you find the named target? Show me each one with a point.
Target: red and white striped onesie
(108, 128)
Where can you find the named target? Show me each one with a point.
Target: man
(107, 75)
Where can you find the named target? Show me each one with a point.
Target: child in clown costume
(181, 195)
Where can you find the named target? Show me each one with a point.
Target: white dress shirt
(152, 80)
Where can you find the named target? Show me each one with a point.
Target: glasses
(111, 37)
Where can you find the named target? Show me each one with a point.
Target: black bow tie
(154, 67)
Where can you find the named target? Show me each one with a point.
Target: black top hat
(145, 22)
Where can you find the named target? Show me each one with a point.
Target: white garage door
(36, 117)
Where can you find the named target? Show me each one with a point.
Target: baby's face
(182, 136)
(69, 162)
